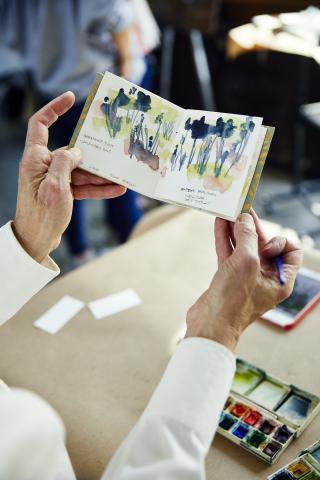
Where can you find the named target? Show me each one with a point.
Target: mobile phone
(305, 297)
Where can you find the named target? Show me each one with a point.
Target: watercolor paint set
(264, 414)
(305, 467)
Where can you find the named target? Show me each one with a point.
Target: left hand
(246, 283)
(48, 183)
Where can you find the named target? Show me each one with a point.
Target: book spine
(85, 109)
(258, 171)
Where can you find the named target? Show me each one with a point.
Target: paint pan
(295, 408)
(283, 434)
(283, 476)
(240, 430)
(305, 467)
(246, 378)
(272, 449)
(256, 439)
(264, 414)
(252, 417)
(267, 426)
(299, 469)
(316, 454)
(269, 394)
(239, 410)
(227, 421)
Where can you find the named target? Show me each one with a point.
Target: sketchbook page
(126, 135)
(210, 162)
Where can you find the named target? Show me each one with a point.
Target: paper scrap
(57, 316)
(114, 303)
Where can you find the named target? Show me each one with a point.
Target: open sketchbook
(204, 160)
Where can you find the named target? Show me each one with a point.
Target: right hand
(246, 284)
(49, 182)
(87, 185)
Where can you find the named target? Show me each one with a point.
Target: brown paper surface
(99, 374)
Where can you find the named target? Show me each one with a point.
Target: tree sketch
(199, 130)
(245, 130)
(126, 115)
(204, 149)
(216, 155)
(110, 109)
(225, 130)
(168, 128)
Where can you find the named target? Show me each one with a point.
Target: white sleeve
(175, 432)
(21, 276)
(31, 439)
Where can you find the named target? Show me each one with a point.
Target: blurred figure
(61, 45)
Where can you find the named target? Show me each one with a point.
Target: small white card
(114, 303)
(57, 316)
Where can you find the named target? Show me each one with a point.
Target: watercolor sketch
(213, 152)
(143, 122)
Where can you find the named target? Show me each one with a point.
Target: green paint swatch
(245, 379)
(256, 438)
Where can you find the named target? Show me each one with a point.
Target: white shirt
(173, 435)
(21, 277)
(77, 36)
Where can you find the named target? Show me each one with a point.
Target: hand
(246, 284)
(126, 67)
(45, 195)
(86, 185)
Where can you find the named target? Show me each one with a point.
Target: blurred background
(251, 57)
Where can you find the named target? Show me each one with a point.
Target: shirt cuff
(21, 276)
(4, 387)
(195, 386)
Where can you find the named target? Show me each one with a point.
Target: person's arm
(120, 18)
(21, 276)
(48, 183)
(174, 434)
(122, 40)
(32, 438)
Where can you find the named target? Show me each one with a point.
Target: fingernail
(246, 218)
(75, 152)
(69, 92)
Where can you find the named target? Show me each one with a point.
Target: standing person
(62, 44)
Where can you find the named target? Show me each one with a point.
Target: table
(249, 38)
(241, 11)
(99, 375)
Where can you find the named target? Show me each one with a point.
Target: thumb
(246, 235)
(64, 162)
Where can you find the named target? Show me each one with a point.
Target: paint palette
(264, 414)
(305, 467)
